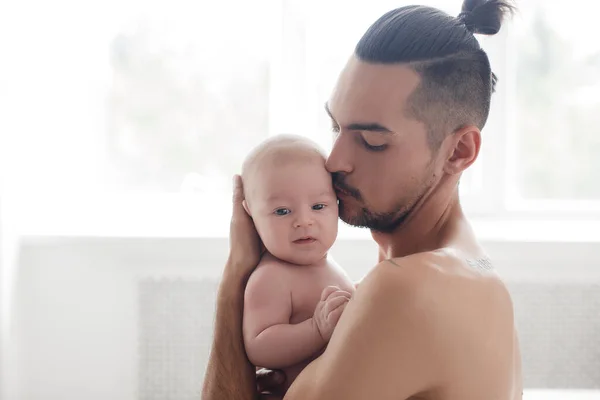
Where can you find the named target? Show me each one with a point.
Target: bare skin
(288, 315)
(281, 312)
(436, 326)
(404, 320)
(431, 321)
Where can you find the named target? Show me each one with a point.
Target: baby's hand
(329, 309)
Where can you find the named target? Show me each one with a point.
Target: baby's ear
(245, 204)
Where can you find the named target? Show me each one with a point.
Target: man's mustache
(340, 184)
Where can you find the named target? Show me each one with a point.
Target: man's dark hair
(456, 78)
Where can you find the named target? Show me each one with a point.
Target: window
(132, 117)
(136, 97)
(126, 107)
(554, 137)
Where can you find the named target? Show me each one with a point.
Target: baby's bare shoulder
(339, 276)
(269, 277)
(270, 268)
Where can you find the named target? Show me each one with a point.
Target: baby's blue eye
(318, 207)
(282, 211)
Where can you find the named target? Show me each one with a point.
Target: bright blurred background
(122, 123)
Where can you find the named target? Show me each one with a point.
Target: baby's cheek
(270, 240)
(274, 238)
(262, 229)
(332, 226)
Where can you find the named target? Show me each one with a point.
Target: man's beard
(360, 216)
(386, 222)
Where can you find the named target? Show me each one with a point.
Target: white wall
(8, 271)
(76, 310)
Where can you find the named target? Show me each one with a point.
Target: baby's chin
(303, 257)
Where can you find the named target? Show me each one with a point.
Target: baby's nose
(303, 219)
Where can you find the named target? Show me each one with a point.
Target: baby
(290, 306)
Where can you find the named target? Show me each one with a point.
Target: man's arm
(229, 374)
(388, 325)
(270, 340)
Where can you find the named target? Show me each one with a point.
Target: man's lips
(340, 191)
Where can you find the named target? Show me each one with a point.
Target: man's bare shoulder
(444, 268)
(434, 285)
(385, 324)
(426, 326)
(404, 278)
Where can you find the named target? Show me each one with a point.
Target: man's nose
(339, 159)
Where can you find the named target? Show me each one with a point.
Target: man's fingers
(269, 381)
(327, 291)
(263, 396)
(239, 212)
(238, 190)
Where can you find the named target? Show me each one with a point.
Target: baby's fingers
(335, 315)
(333, 304)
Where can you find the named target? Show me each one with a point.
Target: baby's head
(290, 197)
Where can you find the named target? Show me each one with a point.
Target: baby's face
(295, 211)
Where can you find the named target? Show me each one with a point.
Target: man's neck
(429, 227)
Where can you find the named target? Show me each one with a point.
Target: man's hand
(229, 374)
(329, 309)
(245, 246)
(270, 384)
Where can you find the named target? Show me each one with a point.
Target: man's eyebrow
(361, 126)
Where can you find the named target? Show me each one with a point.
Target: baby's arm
(270, 340)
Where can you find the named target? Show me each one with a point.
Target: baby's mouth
(305, 240)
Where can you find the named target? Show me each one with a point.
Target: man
(432, 320)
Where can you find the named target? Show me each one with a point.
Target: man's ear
(245, 204)
(464, 146)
